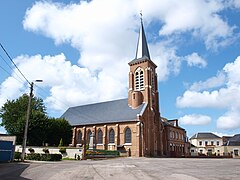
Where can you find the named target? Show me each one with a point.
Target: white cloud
(101, 35)
(69, 85)
(106, 39)
(225, 97)
(234, 3)
(230, 120)
(200, 17)
(195, 60)
(10, 88)
(213, 82)
(222, 98)
(233, 73)
(195, 119)
(220, 134)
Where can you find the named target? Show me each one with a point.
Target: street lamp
(27, 119)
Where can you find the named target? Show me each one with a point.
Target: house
(133, 124)
(232, 146)
(206, 143)
(175, 139)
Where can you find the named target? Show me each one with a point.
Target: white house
(205, 143)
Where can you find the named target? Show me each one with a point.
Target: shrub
(31, 150)
(56, 157)
(44, 157)
(62, 150)
(102, 152)
(46, 150)
(17, 155)
(34, 156)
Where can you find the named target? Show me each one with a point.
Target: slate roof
(204, 136)
(104, 112)
(234, 141)
(142, 47)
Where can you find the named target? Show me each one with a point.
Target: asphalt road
(125, 168)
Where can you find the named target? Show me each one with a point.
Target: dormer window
(139, 79)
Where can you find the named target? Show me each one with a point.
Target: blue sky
(80, 49)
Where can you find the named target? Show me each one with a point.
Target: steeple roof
(142, 53)
(142, 47)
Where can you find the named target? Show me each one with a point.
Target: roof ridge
(108, 101)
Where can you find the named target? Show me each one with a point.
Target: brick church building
(133, 124)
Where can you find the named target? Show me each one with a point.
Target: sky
(81, 50)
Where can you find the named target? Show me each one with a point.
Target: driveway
(125, 168)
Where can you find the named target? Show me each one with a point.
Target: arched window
(100, 136)
(111, 136)
(88, 136)
(139, 79)
(79, 137)
(128, 136)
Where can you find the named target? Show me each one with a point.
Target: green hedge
(44, 157)
(102, 152)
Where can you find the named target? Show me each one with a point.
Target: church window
(79, 137)
(111, 136)
(100, 136)
(88, 136)
(128, 136)
(139, 79)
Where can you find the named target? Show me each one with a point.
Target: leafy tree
(59, 129)
(41, 129)
(13, 114)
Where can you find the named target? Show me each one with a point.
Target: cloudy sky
(80, 49)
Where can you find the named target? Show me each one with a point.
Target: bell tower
(143, 88)
(143, 76)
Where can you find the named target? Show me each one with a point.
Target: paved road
(125, 168)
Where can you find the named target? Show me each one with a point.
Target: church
(133, 124)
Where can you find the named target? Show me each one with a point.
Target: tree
(59, 129)
(13, 114)
(41, 129)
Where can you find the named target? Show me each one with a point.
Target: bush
(102, 152)
(31, 150)
(56, 157)
(46, 150)
(34, 156)
(17, 155)
(62, 150)
(44, 157)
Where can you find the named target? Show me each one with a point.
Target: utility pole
(26, 125)
(27, 120)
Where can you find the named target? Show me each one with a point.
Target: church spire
(142, 47)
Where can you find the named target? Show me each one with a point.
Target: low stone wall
(70, 152)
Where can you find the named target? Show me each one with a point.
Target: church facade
(133, 124)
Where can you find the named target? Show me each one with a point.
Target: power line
(14, 63)
(12, 69)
